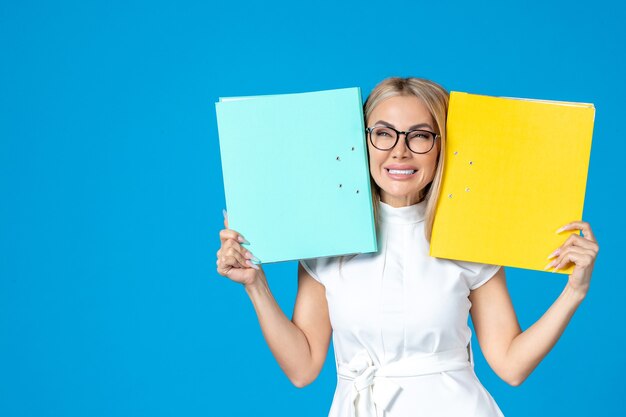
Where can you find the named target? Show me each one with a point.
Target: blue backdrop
(111, 192)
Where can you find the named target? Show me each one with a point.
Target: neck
(402, 201)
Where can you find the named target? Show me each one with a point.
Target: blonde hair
(435, 97)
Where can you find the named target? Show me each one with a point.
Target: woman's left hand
(579, 250)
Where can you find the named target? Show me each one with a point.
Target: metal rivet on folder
(337, 158)
(357, 191)
(449, 195)
(466, 188)
(456, 152)
(339, 185)
(471, 163)
(353, 148)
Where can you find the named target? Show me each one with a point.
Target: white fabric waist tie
(373, 389)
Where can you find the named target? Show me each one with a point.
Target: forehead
(401, 111)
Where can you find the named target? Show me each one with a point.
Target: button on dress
(400, 326)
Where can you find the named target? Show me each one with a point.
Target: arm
(511, 353)
(514, 354)
(299, 345)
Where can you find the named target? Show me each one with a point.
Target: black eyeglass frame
(406, 138)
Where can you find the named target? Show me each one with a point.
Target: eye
(383, 132)
(419, 134)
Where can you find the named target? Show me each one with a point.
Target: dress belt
(373, 390)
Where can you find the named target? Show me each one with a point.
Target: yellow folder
(515, 171)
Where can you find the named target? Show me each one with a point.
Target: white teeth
(402, 171)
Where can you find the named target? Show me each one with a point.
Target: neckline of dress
(402, 215)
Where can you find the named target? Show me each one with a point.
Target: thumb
(225, 218)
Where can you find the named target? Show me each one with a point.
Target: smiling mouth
(401, 171)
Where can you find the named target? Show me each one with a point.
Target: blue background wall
(111, 191)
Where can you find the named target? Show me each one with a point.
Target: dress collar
(402, 215)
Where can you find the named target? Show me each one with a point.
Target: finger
(236, 261)
(228, 256)
(242, 254)
(579, 259)
(252, 265)
(579, 241)
(225, 218)
(244, 257)
(231, 234)
(231, 244)
(221, 269)
(584, 227)
(577, 255)
(238, 254)
(575, 240)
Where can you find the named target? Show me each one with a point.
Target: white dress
(400, 326)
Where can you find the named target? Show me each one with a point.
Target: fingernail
(555, 253)
(224, 213)
(556, 267)
(242, 240)
(550, 265)
(249, 255)
(560, 229)
(251, 265)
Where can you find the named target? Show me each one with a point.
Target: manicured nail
(551, 264)
(224, 213)
(555, 253)
(249, 255)
(242, 240)
(556, 267)
(560, 229)
(251, 265)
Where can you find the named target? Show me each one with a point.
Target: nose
(400, 151)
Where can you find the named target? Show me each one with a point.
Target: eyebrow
(417, 126)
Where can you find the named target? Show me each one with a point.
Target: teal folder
(296, 174)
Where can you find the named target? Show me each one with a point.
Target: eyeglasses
(385, 138)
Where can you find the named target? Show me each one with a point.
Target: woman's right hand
(233, 260)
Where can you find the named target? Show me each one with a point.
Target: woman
(398, 316)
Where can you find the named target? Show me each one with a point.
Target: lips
(400, 167)
(400, 174)
(397, 169)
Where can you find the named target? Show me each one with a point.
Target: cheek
(373, 161)
(373, 170)
(374, 166)
(432, 168)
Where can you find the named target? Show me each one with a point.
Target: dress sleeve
(311, 266)
(477, 274)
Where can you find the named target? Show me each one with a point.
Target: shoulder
(320, 268)
(475, 274)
